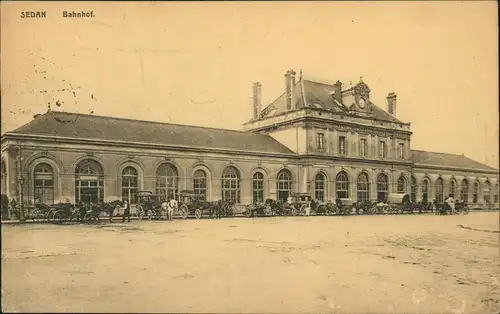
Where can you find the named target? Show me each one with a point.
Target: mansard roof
(93, 127)
(446, 160)
(314, 94)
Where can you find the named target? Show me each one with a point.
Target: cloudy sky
(194, 63)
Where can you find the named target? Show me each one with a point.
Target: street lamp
(21, 208)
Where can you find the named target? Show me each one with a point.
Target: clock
(361, 102)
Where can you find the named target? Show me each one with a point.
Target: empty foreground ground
(407, 263)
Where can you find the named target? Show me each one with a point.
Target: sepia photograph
(250, 157)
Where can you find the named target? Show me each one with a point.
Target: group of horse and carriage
(191, 204)
(65, 212)
(303, 204)
(149, 206)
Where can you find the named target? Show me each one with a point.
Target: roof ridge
(144, 121)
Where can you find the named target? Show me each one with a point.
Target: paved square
(406, 263)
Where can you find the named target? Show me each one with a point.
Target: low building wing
(85, 127)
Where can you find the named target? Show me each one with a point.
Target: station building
(319, 138)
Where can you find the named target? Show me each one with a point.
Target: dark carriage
(66, 212)
(259, 209)
(193, 204)
(444, 208)
(149, 206)
(343, 206)
(366, 208)
(322, 208)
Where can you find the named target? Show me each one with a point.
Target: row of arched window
(89, 185)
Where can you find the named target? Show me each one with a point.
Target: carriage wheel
(400, 210)
(58, 216)
(150, 214)
(140, 212)
(183, 211)
(88, 218)
(295, 212)
(198, 213)
(37, 215)
(248, 211)
(465, 210)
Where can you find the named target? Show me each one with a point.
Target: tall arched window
(382, 187)
(464, 190)
(425, 191)
(284, 184)
(258, 188)
(167, 182)
(231, 185)
(43, 184)
(487, 192)
(475, 195)
(413, 189)
(495, 196)
(200, 183)
(402, 184)
(89, 182)
(4, 178)
(453, 188)
(342, 185)
(439, 190)
(130, 185)
(319, 187)
(363, 188)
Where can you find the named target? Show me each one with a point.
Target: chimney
(289, 91)
(391, 103)
(338, 91)
(257, 100)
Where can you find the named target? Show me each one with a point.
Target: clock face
(361, 102)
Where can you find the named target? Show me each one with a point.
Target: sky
(195, 62)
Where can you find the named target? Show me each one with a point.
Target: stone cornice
(308, 122)
(468, 170)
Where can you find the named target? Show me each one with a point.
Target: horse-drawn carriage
(192, 203)
(344, 206)
(149, 205)
(399, 203)
(259, 209)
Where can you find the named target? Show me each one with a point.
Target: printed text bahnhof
(43, 14)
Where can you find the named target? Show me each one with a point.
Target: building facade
(319, 138)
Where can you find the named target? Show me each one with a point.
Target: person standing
(451, 202)
(126, 211)
(172, 204)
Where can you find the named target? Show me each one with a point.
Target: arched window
(319, 187)
(231, 185)
(258, 188)
(363, 188)
(167, 182)
(89, 182)
(413, 189)
(342, 185)
(495, 196)
(464, 190)
(200, 183)
(401, 184)
(43, 184)
(475, 195)
(439, 190)
(130, 185)
(453, 188)
(284, 184)
(487, 192)
(4, 178)
(425, 191)
(382, 187)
